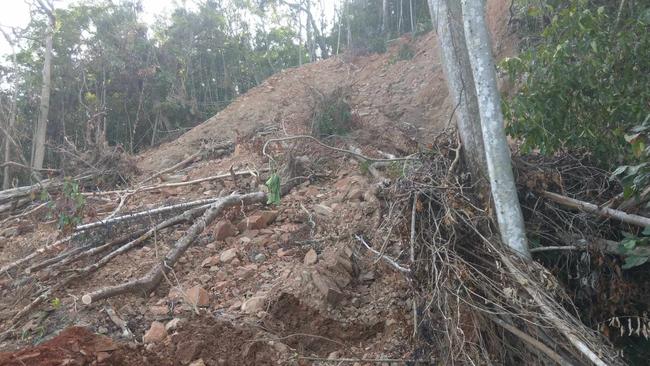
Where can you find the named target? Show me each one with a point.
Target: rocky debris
(224, 229)
(323, 210)
(198, 296)
(211, 261)
(254, 305)
(259, 257)
(173, 324)
(198, 362)
(258, 220)
(228, 255)
(310, 258)
(155, 334)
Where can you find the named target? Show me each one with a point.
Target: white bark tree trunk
(384, 16)
(447, 19)
(502, 183)
(38, 142)
(11, 118)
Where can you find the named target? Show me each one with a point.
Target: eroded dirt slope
(265, 284)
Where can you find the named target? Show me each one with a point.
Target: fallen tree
(149, 281)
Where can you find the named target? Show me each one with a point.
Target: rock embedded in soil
(310, 258)
(224, 229)
(258, 220)
(173, 324)
(155, 334)
(254, 305)
(199, 296)
(228, 255)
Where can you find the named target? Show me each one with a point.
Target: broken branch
(149, 281)
(596, 210)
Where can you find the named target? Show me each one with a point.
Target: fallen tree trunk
(596, 210)
(149, 281)
(159, 210)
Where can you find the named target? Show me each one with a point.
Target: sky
(15, 13)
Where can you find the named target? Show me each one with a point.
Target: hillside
(305, 281)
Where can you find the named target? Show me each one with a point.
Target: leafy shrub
(636, 177)
(332, 114)
(584, 85)
(68, 207)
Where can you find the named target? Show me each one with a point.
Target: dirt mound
(400, 96)
(286, 290)
(74, 346)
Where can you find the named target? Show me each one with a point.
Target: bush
(332, 114)
(585, 85)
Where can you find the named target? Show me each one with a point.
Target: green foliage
(635, 178)
(585, 84)
(332, 114)
(68, 207)
(629, 243)
(273, 184)
(55, 303)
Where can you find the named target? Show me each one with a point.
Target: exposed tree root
(149, 281)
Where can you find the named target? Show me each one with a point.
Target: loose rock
(155, 334)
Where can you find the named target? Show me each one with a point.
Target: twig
(388, 260)
(600, 211)
(174, 167)
(532, 341)
(296, 137)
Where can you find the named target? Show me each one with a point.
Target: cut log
(149, 281)
(596, 210)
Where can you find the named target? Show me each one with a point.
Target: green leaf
(620, 170)
(273, 184)
(646, 231)
(634, 261)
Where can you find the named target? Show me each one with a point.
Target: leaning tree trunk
(447, 19)
(502, 183)
(38, 143)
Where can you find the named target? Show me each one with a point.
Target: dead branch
(348, 152)
(186, 216)
(531, 341)
(596, 210)
(607, 246)
(149, 281)
(38, 251)
(179, 165)
(388, 260)
(158, 210)
(78, 253)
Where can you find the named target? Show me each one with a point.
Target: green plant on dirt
(585, 84)
(67, 208)
(629, 243)
(636, 176)
(332, 114)
(55, 303)
(273, 184)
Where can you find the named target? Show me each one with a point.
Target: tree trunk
(384, 17)
(11, 118)
(38, 142)
(504, 191)
(451, 38)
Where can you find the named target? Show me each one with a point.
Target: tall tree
(10, 116)
(497, 152)
(466, 50)
(40, 133)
